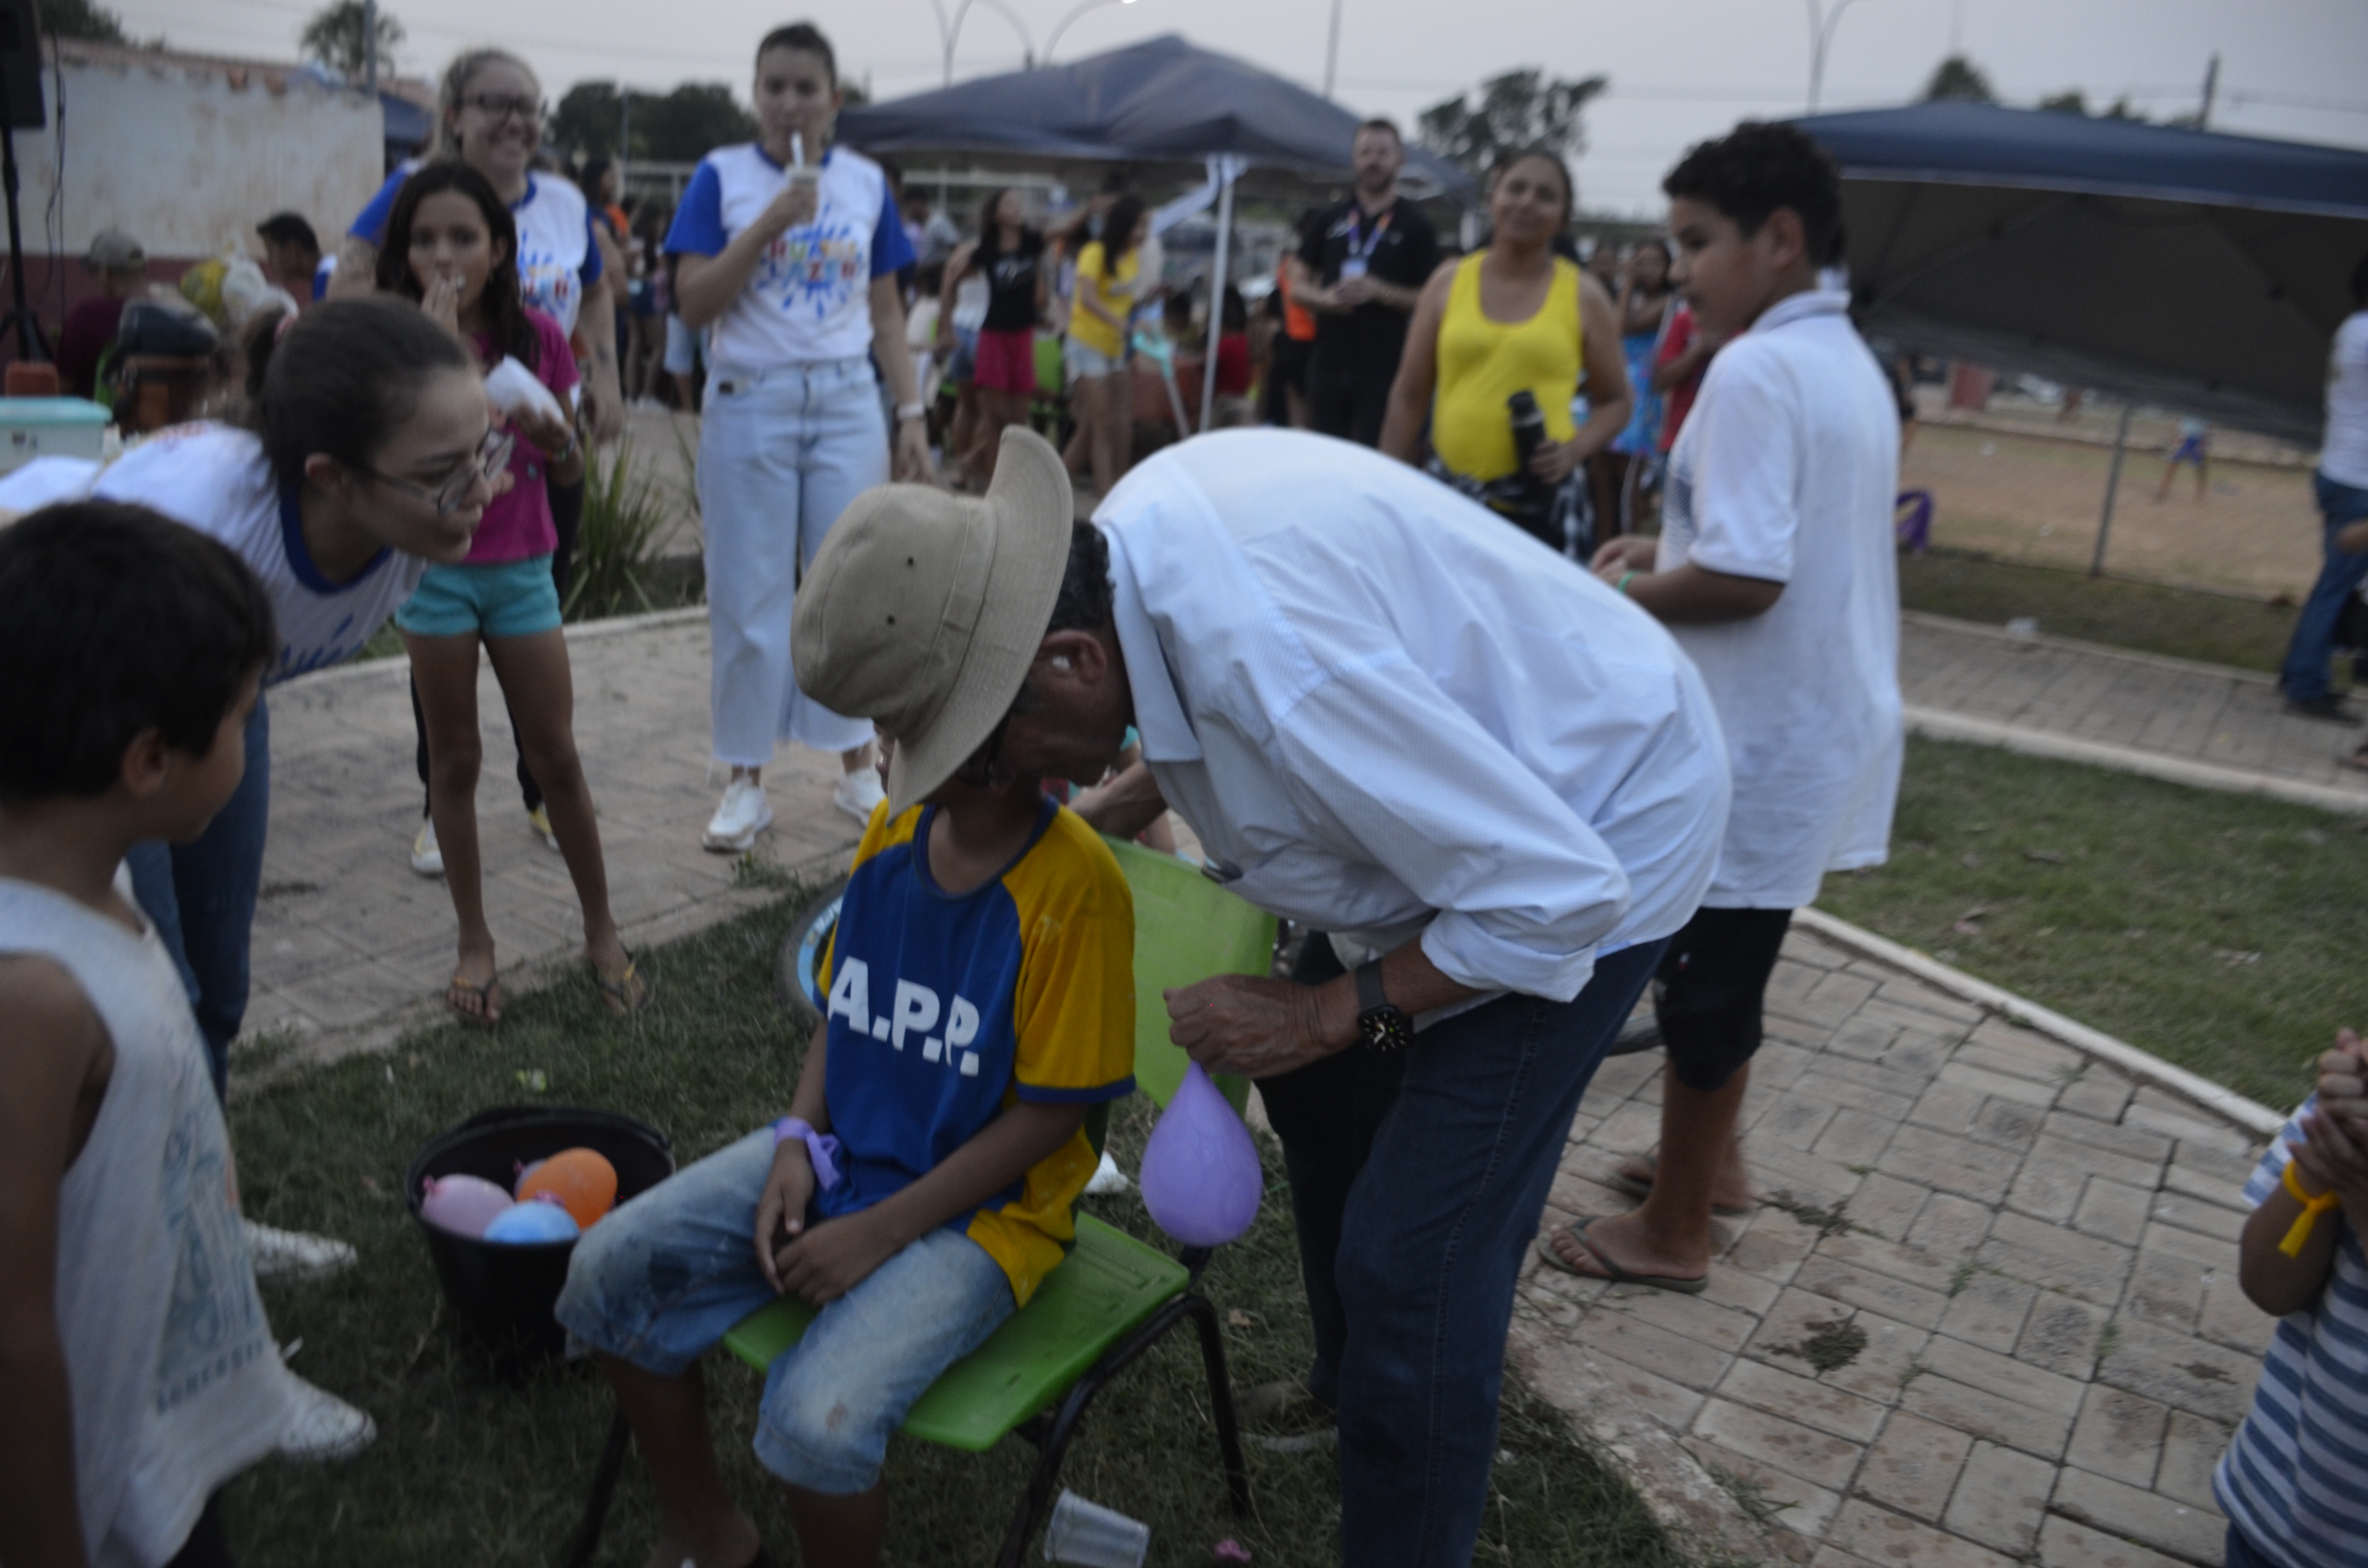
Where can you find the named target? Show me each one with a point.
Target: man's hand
(834, 1257)
(1256, 1026)
(1629, 552)
(2353, 538)
(781, 1208)
(1350, 292)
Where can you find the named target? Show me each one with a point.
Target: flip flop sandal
(488, 996)
(1613, 1273)
(628, 994)
(1621, 1182)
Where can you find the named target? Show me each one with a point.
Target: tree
(82, 19)
(588, 121)
(336, 37)
(2072, 101)
(1519, 109)
(680, 126)
(1958, 79)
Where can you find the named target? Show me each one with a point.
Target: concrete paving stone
(1950, 1227)
(2086, 1266)
(1914, 995)
(1632, 1129)
(1583, 1193)
(2006, 1376)
(2113, 1138)
(1794, 977)
(2042, 1057)
(2006, 1124)
(1849, 992)
(2166, 1289)
(2212, 1220)
(2178, 1530)
(1796, 1119)
(1818, 1458)
(1740, 1289)
(1799, 1506)
(2067, 1543)
(2180, 1370)
(1950, 1165)
(2113, 1210)
(2062, 1335)
(1905, 1085)
(1723, 1327)
(2197, 1163)
(1964, 1070)
(1630, 1338)
(2191, 1446)
(1770, 1248)
(1879, 1535)
(1622, 1075)
(2229, 1318)
(1834, 1557)
(1985, 1414)
(1947, 1107)
(1823, 1082)
(1890, 1356)
(1914, 1465)
(1918, 1052)
(1808, 1177)
(1893, 1298)
(1801, 1398)
(1853, 1136)
(1863, 1038)
(2119, 1435)
(1809, 950)
(2187, 1128)
(2001, 1499)
(1779, 1064)
(1915, 1264)
(1887, 1205)
(2193, 1245)
(2090, 1095)
(1577, 1363)
(1989, 1311)
(2049, 1186)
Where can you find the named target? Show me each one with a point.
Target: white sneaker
(742, 815)
(539, 820)
(426, 855)
(321, 1426)
(857, 792)
(294, 1255)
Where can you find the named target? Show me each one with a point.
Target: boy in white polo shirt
(1775, 573)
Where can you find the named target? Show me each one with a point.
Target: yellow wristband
(2298, 1235)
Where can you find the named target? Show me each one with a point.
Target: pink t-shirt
(517, 525)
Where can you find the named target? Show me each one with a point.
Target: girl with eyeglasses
(449, 244)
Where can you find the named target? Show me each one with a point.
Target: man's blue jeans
(201, 896)
(1433, 1221)
(2305, 674)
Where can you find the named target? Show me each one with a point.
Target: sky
(1680, 70)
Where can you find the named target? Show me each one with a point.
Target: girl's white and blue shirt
(809, 298)
(557, 258)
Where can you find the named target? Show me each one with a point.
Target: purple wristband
(821, 1148)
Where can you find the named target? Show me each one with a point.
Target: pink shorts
(1007, 362)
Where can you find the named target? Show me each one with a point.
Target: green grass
(469, 1468)
(2185, 623)
(2218, 931)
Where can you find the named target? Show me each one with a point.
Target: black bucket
(503, 1292)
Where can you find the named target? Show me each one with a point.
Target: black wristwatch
(1381, 1026)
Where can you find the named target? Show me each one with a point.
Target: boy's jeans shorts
(663, 1278)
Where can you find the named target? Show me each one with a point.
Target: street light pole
(1062, 26)
(952, 32)
(1820, 39)
(1332, 52)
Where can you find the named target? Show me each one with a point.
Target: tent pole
(1216, 292)
(2112, 482)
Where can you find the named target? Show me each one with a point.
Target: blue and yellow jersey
(943, 1010)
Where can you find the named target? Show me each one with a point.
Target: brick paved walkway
(1987, 1313)
(2201, 724)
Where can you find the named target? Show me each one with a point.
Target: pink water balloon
(1200, 1176)
(464, 1205)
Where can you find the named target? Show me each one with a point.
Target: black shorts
(1708, 990)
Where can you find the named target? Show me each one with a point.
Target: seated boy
(138, 1374)
(2290, 1481)
(981, 998)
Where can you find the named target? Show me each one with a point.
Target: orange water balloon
(585, 1183)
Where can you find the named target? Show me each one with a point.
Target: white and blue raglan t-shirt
(809, 298)
(557, 258)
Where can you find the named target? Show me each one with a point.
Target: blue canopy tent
(2193, 269)
(1164, 102)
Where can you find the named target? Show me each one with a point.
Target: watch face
(1385, 1028)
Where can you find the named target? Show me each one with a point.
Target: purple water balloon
(464, 1205)
(1200, 1176)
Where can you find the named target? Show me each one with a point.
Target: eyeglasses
(491, 458)
(496, 105)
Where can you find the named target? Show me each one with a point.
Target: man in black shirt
(1360, 268)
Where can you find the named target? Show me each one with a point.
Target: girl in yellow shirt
(1108, 280)
(1512, 318)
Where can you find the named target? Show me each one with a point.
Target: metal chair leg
(587, 1539)
(1221, 1401)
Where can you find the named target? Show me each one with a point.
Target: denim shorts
(663, 1278)
(501, 599)
(1086, 361)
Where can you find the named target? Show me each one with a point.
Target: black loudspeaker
(20, 64)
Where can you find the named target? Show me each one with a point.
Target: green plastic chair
(1113, 1297)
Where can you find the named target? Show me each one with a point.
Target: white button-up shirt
(1387, 711)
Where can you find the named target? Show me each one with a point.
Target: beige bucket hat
(924, 609)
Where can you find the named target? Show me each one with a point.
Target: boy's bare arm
(51, 1048)
(836, 1255)
(2329, 1160)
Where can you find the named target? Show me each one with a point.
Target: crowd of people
(1405, 659)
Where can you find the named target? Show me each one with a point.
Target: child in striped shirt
(2294, 1482)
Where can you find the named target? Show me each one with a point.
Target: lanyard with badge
(1360, 256)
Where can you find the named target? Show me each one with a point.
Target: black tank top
(1011, 280)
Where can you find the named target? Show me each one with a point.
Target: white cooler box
(33, 427)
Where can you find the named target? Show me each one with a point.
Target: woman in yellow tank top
(1509, 320)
